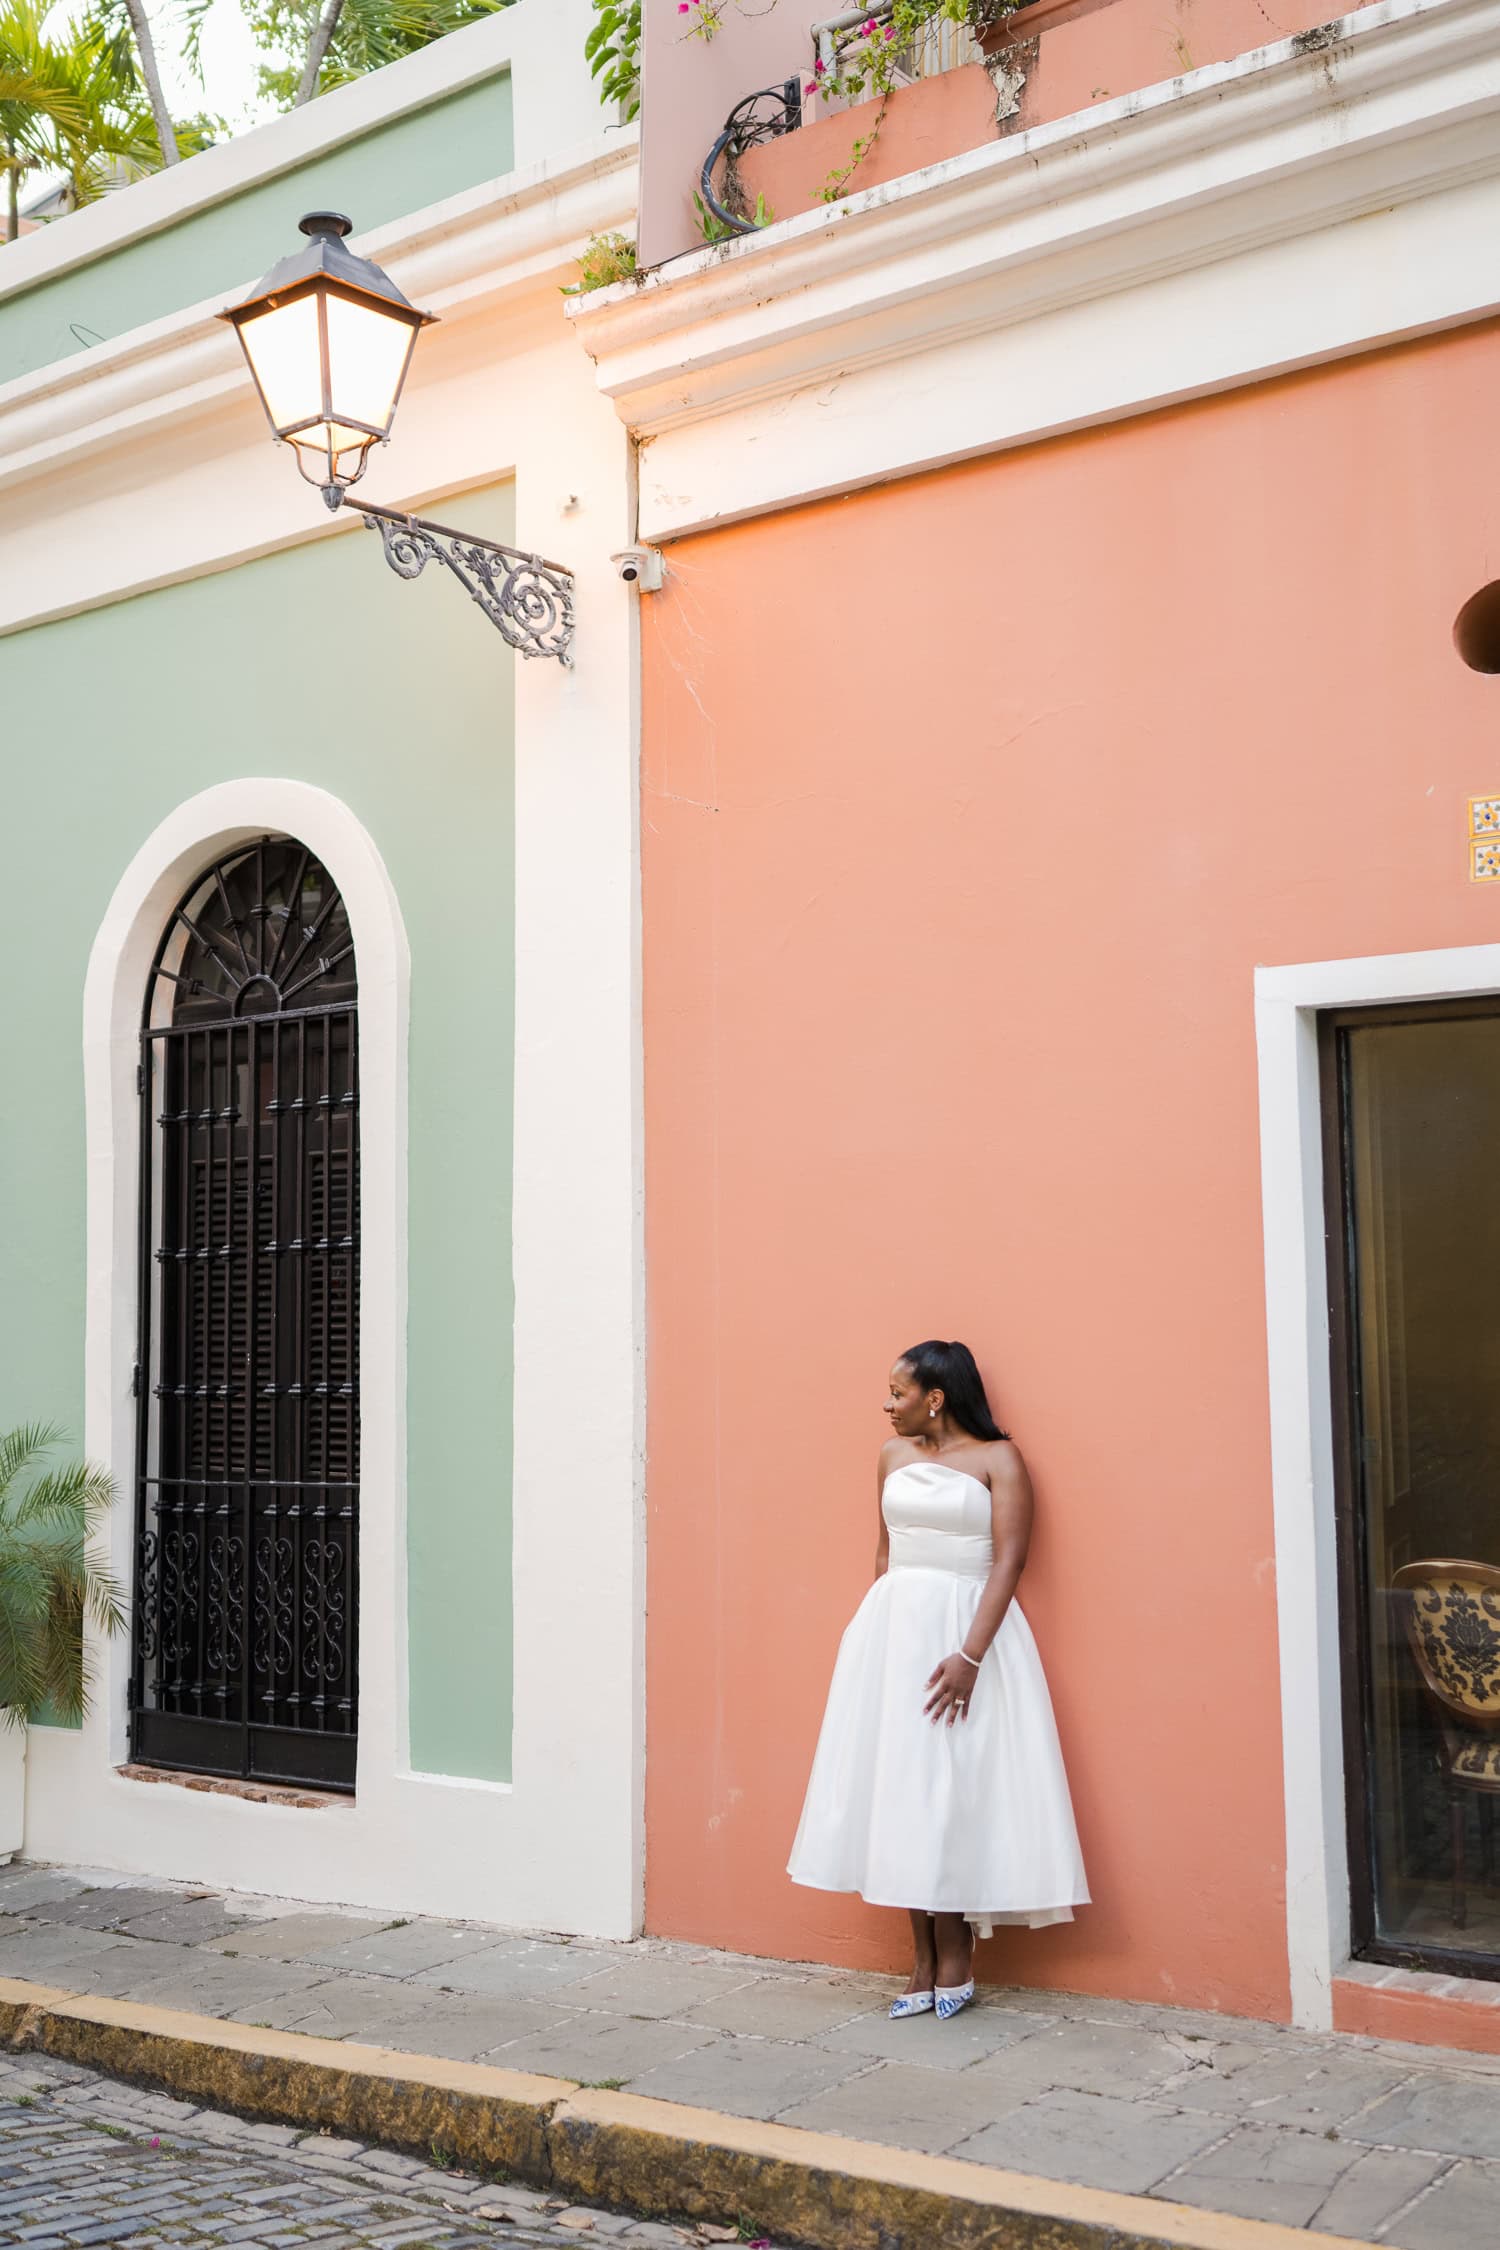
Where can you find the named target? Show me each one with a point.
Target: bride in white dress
(938, 1783)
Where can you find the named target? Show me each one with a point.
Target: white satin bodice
(938, 1519)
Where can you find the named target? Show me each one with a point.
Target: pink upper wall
(1073, 54)
(969, 806)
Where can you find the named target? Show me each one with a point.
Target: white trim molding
(1316, 198)
(146, 460)
(1287, 1004)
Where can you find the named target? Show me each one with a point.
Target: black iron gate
(248, 1376)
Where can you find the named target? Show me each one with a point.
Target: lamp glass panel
(367, 355)
(334, 436)
(282, 348)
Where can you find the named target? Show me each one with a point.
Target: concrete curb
(657, 2159)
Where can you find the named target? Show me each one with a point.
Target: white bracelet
(976, 1661)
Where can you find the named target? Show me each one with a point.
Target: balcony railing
(939, 45)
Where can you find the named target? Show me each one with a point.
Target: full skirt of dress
(973, 1818)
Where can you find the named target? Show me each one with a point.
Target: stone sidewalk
(1350, 2137)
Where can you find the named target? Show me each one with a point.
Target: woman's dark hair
(950, 1368)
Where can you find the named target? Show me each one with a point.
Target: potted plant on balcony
(50, 1586)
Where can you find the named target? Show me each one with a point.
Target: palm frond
(23, 1673)
(75, 1490)
(20, 1447)
(63, 1656)
(78, 100)
(108, 1608)
(50, 1585)
(194, 14)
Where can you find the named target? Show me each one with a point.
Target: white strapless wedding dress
(971, 1819)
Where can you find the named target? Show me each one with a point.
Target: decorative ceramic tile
(1484, 863)
(1484, 816)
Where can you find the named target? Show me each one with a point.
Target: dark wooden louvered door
(248, 1475)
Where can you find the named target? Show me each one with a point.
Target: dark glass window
(248, 1376)
(1413, 1106)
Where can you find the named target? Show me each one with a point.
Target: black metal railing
(248, 1453)
(758, 118)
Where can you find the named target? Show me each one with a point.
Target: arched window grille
(246, 1590)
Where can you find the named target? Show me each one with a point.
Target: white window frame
(1288, 1002)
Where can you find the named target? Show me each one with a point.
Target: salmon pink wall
(1070, 55)
(970, 804)
(1095, 50)
(1422, 2011)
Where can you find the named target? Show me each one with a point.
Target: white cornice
(508, 237)
(967, 284)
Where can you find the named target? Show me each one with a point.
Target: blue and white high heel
(911, 2004)
(949, 1999)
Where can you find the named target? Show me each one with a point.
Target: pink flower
(156, 2140)
(809, 89)
(818, 68)
(890, 31)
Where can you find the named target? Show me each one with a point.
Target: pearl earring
(932, 1413)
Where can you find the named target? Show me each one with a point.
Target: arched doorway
(247, 1507)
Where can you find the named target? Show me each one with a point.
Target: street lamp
(328, 338)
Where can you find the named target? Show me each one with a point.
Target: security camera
(640, 567)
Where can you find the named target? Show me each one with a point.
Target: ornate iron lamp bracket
(527, 599)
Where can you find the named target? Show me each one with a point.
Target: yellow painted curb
(657, 2159)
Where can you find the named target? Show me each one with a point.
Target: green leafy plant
(704, 17)
(607, 258)
(70, 103)
(712, 227)
(613, 49)
(836, 183)
(316, 44)
(49, 1584)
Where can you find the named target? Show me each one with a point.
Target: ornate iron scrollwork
(759, 117)
(527, 599)
(247, 1573)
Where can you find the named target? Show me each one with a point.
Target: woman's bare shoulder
(894, 1451)
(1004, 1466)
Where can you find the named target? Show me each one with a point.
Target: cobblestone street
(86, 2161)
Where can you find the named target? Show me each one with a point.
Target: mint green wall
(402, 167)
(319, 665)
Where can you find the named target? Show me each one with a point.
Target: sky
(230, 62)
